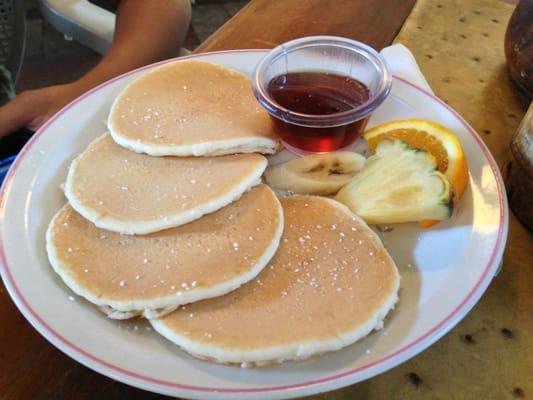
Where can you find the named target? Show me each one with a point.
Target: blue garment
(4, 167)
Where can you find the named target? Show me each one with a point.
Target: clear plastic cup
(326, 55)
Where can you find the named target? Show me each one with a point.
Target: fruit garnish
(433, 138)
(320, 174)
(398, 184)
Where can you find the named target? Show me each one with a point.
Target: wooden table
(459, 46)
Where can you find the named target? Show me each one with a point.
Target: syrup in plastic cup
(321, 91)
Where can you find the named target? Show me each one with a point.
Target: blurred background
(47, 50)
(34, 53)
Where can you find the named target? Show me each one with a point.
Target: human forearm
(146, 31)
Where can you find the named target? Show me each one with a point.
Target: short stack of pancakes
(167, 219)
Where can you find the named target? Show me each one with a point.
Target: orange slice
(433, 138)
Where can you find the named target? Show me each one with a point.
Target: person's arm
(146, 31)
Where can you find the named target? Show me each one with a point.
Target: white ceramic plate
(444, 270)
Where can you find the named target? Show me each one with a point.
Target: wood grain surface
(267, 23)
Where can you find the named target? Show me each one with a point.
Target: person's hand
(31, 109)
(156, 27)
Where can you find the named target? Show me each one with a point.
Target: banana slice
(320, 174)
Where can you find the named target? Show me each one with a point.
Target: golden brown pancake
(330, 283)
(126, 192)
(188, 108)
(205, 258)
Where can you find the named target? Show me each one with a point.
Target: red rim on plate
(120, 373)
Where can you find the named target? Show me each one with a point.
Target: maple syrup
(318, 94)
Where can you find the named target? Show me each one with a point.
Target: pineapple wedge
(398, 184)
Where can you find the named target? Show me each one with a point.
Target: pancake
(188, 108)
(132, 193)
(151, 273)
(330, 283)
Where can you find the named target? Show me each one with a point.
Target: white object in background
(85, 22)
(402, 63)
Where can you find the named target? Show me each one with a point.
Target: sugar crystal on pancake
(330, 283)
(132, 193)
(149, 273)
(188, 108)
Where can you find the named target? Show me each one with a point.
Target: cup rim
(313, 120)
